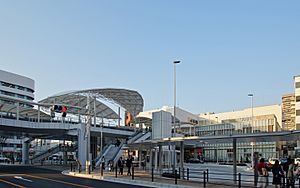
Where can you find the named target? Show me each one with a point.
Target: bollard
(79, 169)
(132, 174)
(89, 169)
(152, 175)
(188, 174)
(207, 175)
(204, 179)
(71, 167)
(101, 170)
(239, 179)
(116, 171)
(176, 177)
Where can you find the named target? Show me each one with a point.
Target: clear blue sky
(227, 48)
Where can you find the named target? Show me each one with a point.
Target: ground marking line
(21, 178)
(10, 183)
(58, 181)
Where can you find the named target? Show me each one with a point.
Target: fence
(193, 177)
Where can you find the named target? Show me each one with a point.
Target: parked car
(194, 160)
(4, 159)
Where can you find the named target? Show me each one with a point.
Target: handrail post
(152, 175)
(101, 170)
(132, 174)
(239, 179)
(176, 177)
(207, 175)
(204, 178)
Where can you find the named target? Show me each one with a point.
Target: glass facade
(222, 152)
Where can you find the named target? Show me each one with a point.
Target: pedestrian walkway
(142, 178)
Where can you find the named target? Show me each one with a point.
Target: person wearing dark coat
(277, 174)
(129, 164)
(121, 165)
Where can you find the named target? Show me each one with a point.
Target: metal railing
(196, 177)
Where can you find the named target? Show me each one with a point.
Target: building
(263, 119)
(16, 87)
(288, 112)
(297, 97)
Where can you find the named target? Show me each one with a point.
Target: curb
(123, 181)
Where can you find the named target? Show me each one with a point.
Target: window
(297, 98)
(297, 112)
(297, 85)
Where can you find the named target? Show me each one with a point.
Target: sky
(227, 49)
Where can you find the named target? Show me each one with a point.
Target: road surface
(34, 177)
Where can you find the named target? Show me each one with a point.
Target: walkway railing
(191, 177)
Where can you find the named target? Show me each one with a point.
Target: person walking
(129, 164)
(121, 166)
(263, 174)
(291, 174)
(277, 174)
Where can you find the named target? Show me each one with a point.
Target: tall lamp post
(174, 116)
(252, 127)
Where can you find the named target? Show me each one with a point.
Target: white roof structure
(130, 100)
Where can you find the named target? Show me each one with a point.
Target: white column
(18, 111)
(25, 151)
(39, 113)
(140, 159)
(181, 158)
(82, 145)
(160, 159)
(156, 159)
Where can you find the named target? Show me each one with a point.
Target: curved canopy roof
(131, 100)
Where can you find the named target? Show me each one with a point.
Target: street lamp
(252, 127)
(174, 115)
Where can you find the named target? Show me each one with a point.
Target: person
(103, 163)
(110, 165)
(263, 174)
(118, 142)
(277, 174)
(291, 175)
(129, 164)
(121, 165)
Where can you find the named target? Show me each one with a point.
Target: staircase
(51, 151)
(145, 136)
(113, 153)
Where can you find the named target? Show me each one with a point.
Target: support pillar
(140, 159)
(181, 158)
(18, 111)
(25, 151)
(151, 159)
(82, 146)
(234, 160)
(119, 119)
(156, 159)
(39, 113)
(160, 166)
